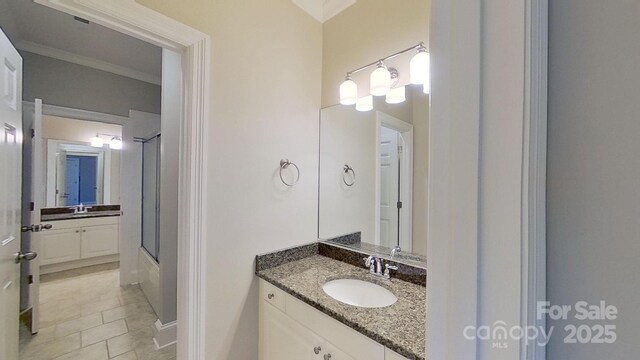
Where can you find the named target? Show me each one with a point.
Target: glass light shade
(380, 81)
(419, 68)
(96, 141)
(365, 103)
(426, 88)
(348, 92)
(116, 143)
(396, 95)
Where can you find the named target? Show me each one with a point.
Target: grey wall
(593, 208)
(66, 84)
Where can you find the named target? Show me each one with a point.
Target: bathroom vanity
(375, 318)
(79, 239)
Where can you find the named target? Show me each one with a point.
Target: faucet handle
(387, 267)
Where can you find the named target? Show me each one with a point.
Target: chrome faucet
(374, 264)
(81, 209)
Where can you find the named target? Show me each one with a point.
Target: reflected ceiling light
(380, 80)
(116, 143)
(348, 91)
(365, 103)
(396, 95)
(419, 66)
(96, 141)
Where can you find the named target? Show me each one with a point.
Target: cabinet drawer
(99, 241)
(58, 246)
(341, 336)
(78, 223)
(272, 295)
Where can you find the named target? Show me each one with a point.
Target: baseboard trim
(165, 334)
(52, 268)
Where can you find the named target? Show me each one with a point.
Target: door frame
(131, 18)
(406, 168)
(457, 43)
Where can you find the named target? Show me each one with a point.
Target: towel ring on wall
(348, 169)
(284, 164)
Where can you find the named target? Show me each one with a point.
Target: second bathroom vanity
(79, 239)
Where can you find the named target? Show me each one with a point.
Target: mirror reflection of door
(390, 141)
(395, 187)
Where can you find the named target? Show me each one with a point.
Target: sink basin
(359, 293)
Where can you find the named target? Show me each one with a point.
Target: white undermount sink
(359, 293)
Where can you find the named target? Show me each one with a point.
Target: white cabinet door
(285, 339)
(58, 246)
(330, 352)
(99, 241)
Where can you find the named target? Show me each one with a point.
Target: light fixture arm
(418, 47)
(103, 134)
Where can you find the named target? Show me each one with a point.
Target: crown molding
(323, 10)
(63, 55)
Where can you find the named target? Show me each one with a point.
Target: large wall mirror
(373, 175)
(78, 170)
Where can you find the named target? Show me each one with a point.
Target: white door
(389, 187)
(285, 339)
(33, 197)
(10, 199)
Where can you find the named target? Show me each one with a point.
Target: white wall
(61, 83)
(265, 102)
(593, 232)
(60, 128)
(348, 137)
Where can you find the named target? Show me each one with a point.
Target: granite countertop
(400, 327)
(71, 216)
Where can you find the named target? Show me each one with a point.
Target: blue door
(82, 176)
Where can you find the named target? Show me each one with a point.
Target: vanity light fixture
(383, 79)
(419, 66)
(365, 103)
(348, 91)
(116, 143)
(380, 82)
(96, 141)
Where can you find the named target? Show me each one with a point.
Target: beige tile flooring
(86, 315)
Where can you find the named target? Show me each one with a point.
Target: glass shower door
(151, 196)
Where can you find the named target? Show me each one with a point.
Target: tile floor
(86, 315)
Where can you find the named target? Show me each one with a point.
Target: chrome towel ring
(284, 164)
(348, 169)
